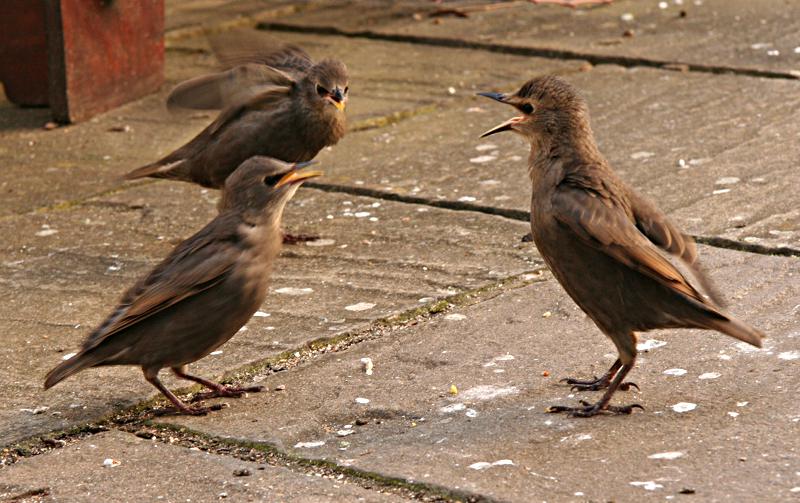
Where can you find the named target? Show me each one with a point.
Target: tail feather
(737, 329)
(160, 169)
(70, 367)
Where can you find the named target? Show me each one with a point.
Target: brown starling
(602, 241)
(281, 105)
(204, 291)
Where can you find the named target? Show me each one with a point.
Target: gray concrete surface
(117, 466)
(734, 34)
(76, 237)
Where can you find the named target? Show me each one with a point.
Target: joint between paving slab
(540, 52)
(140, 413)
(524, 216)
(265, 452)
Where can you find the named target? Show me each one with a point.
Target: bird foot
(294, 239)
(189, 411)
(226, 391)
(596, 384)
(592, 409)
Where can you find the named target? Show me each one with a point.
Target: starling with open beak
(602, 241)
(281, 104)
(204, 291)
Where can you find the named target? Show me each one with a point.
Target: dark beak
(337, 98)
(507, 125)
(495, 96)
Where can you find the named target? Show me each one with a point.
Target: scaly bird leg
(599, 383)
(589, 410)
(217, 389)
(180, 407)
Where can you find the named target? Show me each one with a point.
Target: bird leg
(180, 407)
(217, 389)
(599, 383)
(589, 409)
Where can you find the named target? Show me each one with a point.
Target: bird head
(328, 85)
(261, 186)
(549, 108)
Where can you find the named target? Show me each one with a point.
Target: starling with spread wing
(280, 104)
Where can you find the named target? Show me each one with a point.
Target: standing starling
(204, 291)
(602, 241)
(281, 105)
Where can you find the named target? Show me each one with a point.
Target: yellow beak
(295, 176)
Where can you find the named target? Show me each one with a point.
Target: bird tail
(69, 367)
(165, 168)
(734, 328)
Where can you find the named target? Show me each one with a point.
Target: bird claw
(590, 409)
(226, 391)
(628, 385)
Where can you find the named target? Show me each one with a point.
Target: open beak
(338, 99)
(295, 176)
(507, 125)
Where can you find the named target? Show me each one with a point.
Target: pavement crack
(524, 216)
(541, 52)
(512, 214)
(267, 453)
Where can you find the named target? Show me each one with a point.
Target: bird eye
(527, 108)
(346, 88)
(322, 91)
(272, 180)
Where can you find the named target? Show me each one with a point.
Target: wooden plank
(102, 54)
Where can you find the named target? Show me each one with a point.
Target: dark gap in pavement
(541, 52)
(524, 216)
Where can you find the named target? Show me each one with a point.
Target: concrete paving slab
(506, 354)
(736, 34)
(718, 166)
(63, 271)
(151, 471)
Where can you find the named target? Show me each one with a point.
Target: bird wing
(658, 229)
(218, 90)
(251, 46)
(197, 264)
(590, 209)
(267, 98)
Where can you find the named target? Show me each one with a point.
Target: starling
(602, 241)
(281, 105)
(204, 291)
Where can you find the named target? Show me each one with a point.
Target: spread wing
(251, 46)
(252, 61)
(602, 220)
(197, 264)
(223, 89)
